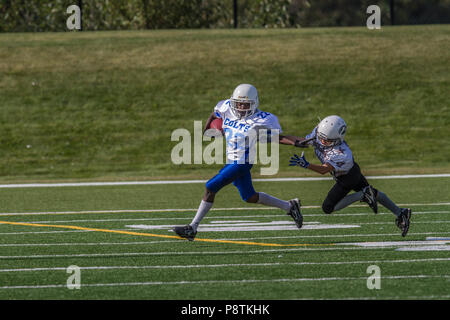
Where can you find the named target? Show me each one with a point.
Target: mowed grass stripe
(130, 230)
(231, 265)
(410, 233)
(177, 210)
(176, 237)
(78, 244)
(243, 281)
(225, 217)
(161, 235)
(240, 239)
(74, 244)
(165, 182)
(42, 232)
(188, 253)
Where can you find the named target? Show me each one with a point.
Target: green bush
(50, 15)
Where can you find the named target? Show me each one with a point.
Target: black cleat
(295, 212)
(403, 221)
(370, 197)
(186, 232)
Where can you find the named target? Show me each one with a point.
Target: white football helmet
(244, 100)
(332, 129)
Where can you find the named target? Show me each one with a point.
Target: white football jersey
(241, 135)
(340, 157)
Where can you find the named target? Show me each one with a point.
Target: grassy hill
(103, 105)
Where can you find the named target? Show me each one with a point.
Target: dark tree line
(50, 15)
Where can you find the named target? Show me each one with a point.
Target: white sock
(270, 201)
(201, 212)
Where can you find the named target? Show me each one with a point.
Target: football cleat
(403, 221)
(295, 212)
(186, 232)
(370, 197)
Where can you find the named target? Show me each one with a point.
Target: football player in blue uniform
(242, 121)
(336, 158)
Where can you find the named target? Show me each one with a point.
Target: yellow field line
(159, 235)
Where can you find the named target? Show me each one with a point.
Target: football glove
(299, 161)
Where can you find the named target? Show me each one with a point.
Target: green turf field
(103, 105)
(92, 228)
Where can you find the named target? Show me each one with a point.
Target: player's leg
(355, 180)
(248, 194)
(205, 205)
(372, 196)
(362, 187)
(348, 200)
(365, 192)
(402, 215)
(190, 231)
(225, 176)
(337, 198)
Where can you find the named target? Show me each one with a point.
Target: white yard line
(164, 182)
(425, 248)
(415, 222)
(43, 232)
(80, 244)
(242, 281)
(195, 209)
(210, 227)
(228, 217)
(182, 253)
(129, 211)
(134, 229)
(218, 217)
(232, 239)
(230, 265)
(336, 236)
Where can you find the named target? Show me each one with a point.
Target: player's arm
(210, 119)
(302, 162)
(288, 140)
(322, 169)
(293, 141)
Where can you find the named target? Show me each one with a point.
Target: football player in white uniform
(336, 158)
(242, 121)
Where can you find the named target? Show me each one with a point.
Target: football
(215, 124)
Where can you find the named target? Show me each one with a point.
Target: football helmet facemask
(244, 101)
